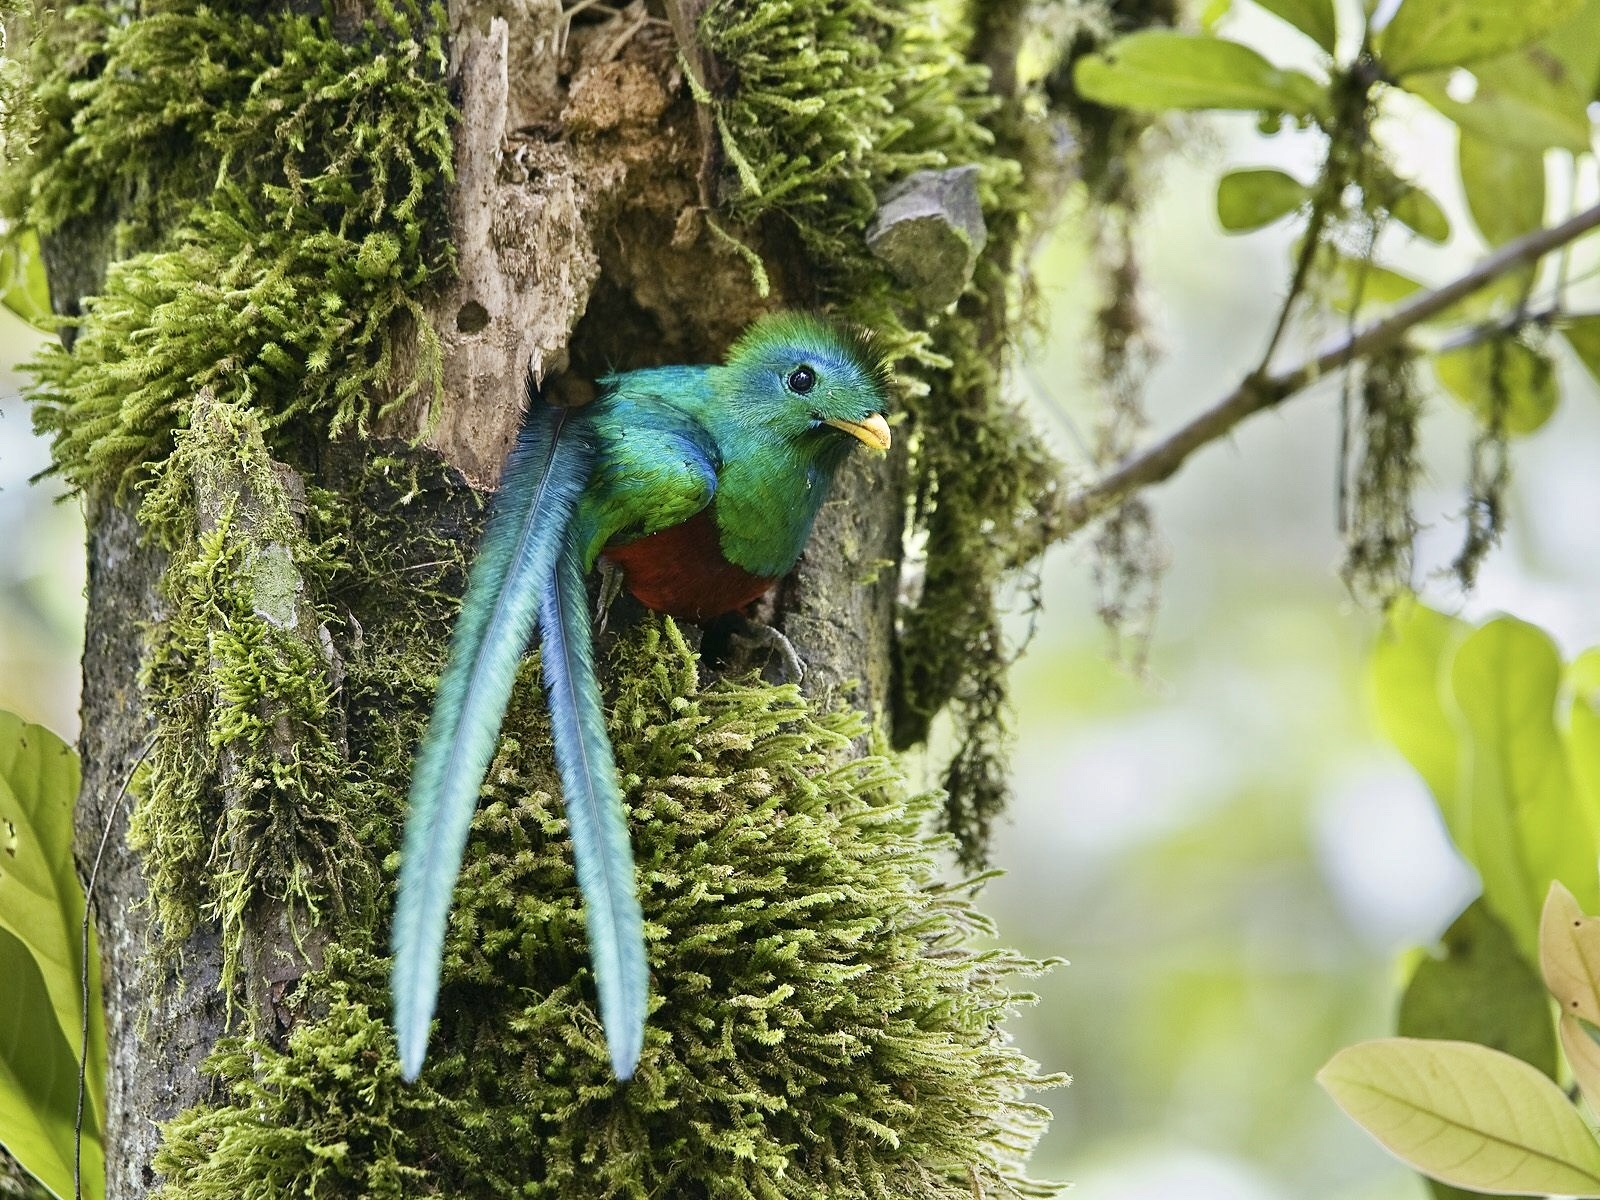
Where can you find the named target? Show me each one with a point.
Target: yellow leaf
(1569, 954)
(1583, 1056)
(1466, 1115)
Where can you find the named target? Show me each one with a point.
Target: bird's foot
(610, 589)
(757, 636)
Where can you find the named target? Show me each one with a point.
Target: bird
(700, 484)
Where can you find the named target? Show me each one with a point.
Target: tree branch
(1262, 390)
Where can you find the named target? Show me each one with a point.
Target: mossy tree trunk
(563, 213)
(283, 405)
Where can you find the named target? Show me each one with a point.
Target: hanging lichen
(1514, 373)
(1380, 524)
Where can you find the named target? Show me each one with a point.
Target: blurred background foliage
(1209, 824)
(41, 560)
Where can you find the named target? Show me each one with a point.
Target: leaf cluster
(41, 914)
(1476, 1105)
(1472, 1116)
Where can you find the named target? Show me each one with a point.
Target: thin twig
(1488, 331)
(1261, 390)
(705, 75)
(1321, 210)
(83, 969)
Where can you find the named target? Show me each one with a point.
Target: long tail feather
(539, 491)
(595, 813)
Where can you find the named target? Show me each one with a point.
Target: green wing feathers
(539, 491)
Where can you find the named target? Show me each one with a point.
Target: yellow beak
(873, 432)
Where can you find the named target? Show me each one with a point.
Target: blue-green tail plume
(595, 813)
(539, 491)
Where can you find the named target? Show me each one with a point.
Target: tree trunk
(272, 567)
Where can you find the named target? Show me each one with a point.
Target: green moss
(282, 278)
(830, 104)
(326, 1115)
(250, 794)
(283, 183)
(833, 101)
(821, 1025)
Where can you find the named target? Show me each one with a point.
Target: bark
(162, 1018)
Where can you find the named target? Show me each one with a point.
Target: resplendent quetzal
(701, 484)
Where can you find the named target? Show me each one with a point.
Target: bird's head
(803, 379)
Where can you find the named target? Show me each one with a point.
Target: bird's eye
(802, 380)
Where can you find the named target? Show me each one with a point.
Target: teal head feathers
(806, 381)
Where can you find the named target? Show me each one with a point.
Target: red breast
(681, 571)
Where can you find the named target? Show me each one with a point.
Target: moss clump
(821, 1025)
(324, 1116)
(250, 794)
(281, 283)
(830, 104)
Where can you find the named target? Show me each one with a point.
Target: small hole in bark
(472, 317)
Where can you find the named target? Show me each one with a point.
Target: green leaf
(1530, 100)
(1157, 69)
(1504, 372)
(1583, 335)
(1211, 15)
(1252, 198)
(1314, 18)
(1410, 678)
(41, 901)
(1420, 213)
(1481, 990)
(1443, 1191)
(1427, 34)
(39, 1081)
(1504, 188)
(1377, 287)
(23, 286)
(1527, 825)
(1583, 732)
(1467, 1115)
(1577, 46)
